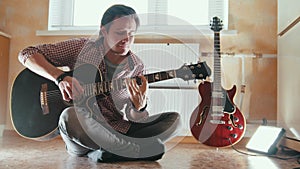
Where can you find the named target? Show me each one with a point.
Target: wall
(20, 19)
(288, 68)
(255, 21)
(4, 56)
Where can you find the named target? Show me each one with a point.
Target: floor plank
(17, 152)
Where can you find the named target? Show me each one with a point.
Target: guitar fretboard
(92, 88)
(118, 84)
(165, 75)
(217, 62)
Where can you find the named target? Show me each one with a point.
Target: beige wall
(288, 68)
(255, 21)
(4, 53)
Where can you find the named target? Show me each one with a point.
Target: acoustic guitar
(217, 121)
(36, 102)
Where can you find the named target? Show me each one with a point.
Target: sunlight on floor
(261, 162)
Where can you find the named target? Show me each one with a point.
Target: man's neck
(115, 58)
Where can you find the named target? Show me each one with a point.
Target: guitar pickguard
(229, 107)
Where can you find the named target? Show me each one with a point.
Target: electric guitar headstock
(216, 24)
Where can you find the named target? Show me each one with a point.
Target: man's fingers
(129, 86)
(70, 89)
(77, 89)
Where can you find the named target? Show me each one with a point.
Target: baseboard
(8, 132)
(184, 139)
(191, 140)
(291, 143)
(2, 127)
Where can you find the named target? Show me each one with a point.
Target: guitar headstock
(216, 24)
(199, 70)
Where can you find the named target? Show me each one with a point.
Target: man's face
(120, 35)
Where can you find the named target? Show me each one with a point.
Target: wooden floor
(17, 152)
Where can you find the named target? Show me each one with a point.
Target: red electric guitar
(217, 121)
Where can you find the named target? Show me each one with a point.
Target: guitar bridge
(43, 99)
(217, 122)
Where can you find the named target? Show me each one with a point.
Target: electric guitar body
(216, 129)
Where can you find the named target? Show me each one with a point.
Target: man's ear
(103, 30)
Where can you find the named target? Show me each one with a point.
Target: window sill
(66, 32)
(143, 32)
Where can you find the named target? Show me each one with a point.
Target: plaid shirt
(73, 53)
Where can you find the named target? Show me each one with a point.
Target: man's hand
(138, 93)
(70, 88)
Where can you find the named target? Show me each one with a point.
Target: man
(116, 126)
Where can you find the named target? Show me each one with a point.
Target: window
(166, 14)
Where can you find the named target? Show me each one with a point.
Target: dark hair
(118, 11)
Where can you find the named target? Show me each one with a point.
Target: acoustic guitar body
(36, 102)
(28, 117)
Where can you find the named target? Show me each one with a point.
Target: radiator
(173, 95)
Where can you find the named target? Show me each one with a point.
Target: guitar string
(119, 83)
(90, 89)
(103, 87)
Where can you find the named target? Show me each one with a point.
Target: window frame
(59, 28)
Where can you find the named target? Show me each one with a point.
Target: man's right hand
(70, 88)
